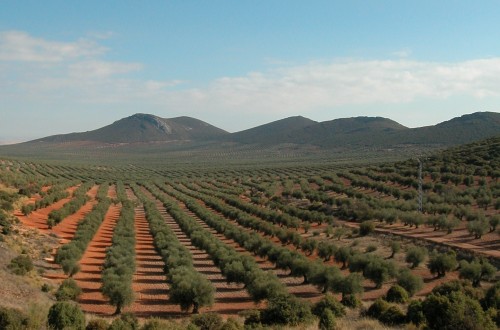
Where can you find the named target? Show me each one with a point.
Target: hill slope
(144, 128)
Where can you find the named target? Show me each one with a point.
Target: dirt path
(66, 228)
(149, 282)
(89, 277)
(229, 298)
(38, 218)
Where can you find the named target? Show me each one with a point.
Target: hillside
(280, 131)
(146, 138)
(144, 128)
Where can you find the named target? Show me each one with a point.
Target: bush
(286, 309)
(12, 319)
(331, 303)
(68, 290)
(327, 320)
(377, 308)
(455, 311)
(63, 315)
(371, 248)
(366, 227)
(415, 255)
(397, 294)
(21, 265)
(410, 282)
(208, 321)
(415, 314)
(395, 248)
(350, 301)
(440, 263)
(97, 324)
(476, 271)
(232, 324)
(392, 316)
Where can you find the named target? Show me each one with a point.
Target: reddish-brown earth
(66, 229)
(89, 276)
(38, 218)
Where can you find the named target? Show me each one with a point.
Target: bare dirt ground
(149, 282)
(38, 218)
(89, 277)
(66, 229)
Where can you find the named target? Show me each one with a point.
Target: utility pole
(420, 190)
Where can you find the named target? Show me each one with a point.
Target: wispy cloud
(20, 46)
(70, 73)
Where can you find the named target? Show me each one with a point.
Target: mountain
(189, 139)
(144, 128)
(279, 131)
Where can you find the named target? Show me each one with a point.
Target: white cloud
(20, 46)
(74, 75)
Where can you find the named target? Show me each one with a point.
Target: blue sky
(78, 65)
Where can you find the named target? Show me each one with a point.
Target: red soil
(149, 282)
(38, 218)
(89, 277)
(66, 228)
(229, 298)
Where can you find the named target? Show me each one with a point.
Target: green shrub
(232, 324)
(68, 290)
(208, 321)
(97, 324)
(331, 303)
(415, 255)
(415, 313)
(286, 309)
(410, 282)
(350, 301)
(12, 319)
(366, 227)
(440, 263)
(327, 320)
(63, 315)
(21, 265)
(397, 294)
(371, 248)
(377, 308)
(392, 316)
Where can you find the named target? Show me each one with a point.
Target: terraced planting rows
(231, 241)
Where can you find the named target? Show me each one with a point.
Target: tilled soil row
(229, 298)
(89, 277)
(149, 282)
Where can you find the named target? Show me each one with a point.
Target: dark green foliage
(440, 263)
(377, 308)
(326, 250)
(342, 255)
(392, 316)
(21, 265)
(476, 271)
(97, 324)
(119, 266)
(410, 282)
(12, 319)
(492, 297)
(327, 320)
(366, 227)
(415, 255)
(415, 313)
(68, 290)
(455, 311)
(395, 248)
(208, 321)
(331, 303)
(478, 228)
(190, 289)
(286, 309)
(63, 315)
(350, 301)
(397, 294)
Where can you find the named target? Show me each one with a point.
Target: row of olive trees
(326, 278)
(69, 254)
(79, 199)
(119, 265)
(188, 288)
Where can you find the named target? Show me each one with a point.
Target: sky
(70, 66)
